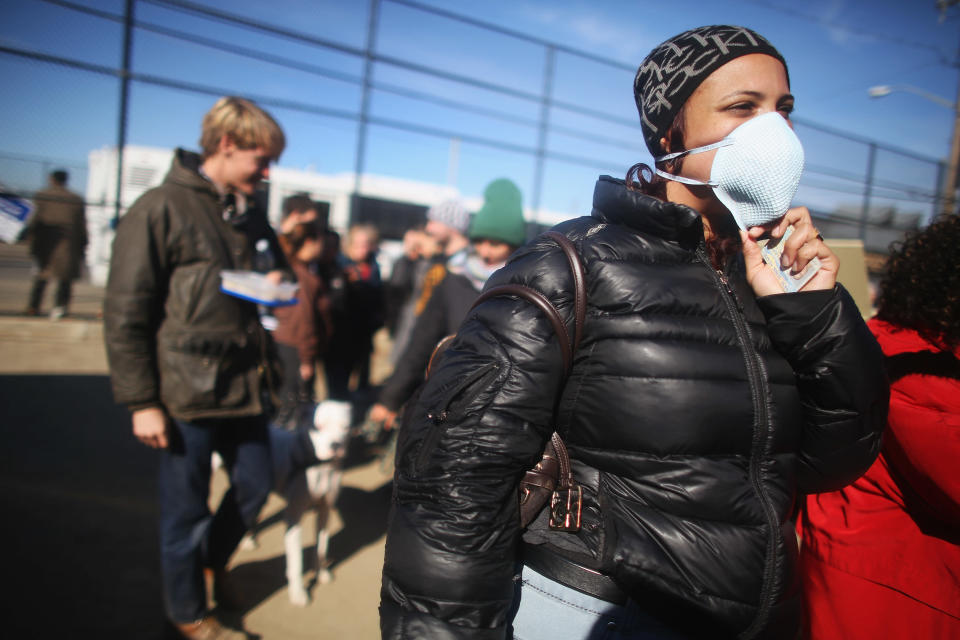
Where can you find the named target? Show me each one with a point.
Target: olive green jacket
(173, 338)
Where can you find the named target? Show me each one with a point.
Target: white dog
(315, 486)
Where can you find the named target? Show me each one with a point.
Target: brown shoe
(224, 591)
(209, 629)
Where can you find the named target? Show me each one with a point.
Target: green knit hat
(501, 217)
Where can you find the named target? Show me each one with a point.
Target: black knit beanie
(674, 69)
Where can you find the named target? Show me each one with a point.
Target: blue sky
(835, 50)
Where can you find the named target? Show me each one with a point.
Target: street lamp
(950, 184)
(882, 90)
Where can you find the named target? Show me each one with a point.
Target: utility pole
(950, 185)
(943, 5)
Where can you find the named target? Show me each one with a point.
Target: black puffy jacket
(695, 413)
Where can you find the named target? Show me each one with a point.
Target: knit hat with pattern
(501, 216)
(674, 69)
(451, 213)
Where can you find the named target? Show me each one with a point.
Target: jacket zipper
(756, 375)
(439, 417)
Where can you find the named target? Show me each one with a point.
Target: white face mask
(756, 171)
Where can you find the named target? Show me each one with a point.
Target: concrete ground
(79, 508)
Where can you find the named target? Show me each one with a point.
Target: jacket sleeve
(840, 375)
(133, 305)
(308, 307)
(923, 442)
(481, 421)
(429, 329)
(32, 232)
(308, 348)
(81, 225)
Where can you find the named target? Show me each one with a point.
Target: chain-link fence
(398, 91)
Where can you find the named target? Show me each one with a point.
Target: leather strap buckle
(565, 508)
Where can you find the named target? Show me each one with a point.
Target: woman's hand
(801, 247)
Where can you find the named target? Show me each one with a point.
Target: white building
(145, 167)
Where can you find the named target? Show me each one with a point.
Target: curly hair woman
(881, 557)
(921, 287)
(702, 398)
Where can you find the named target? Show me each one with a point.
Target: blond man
(189, 361)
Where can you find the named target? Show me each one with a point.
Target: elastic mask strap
(670, 176)
(726, 142)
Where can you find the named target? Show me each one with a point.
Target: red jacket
(898, 526)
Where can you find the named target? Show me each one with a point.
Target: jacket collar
(614, 203)
(185, 171)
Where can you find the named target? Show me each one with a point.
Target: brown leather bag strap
(568, 348)
(439, 348)
(565, 478)
(579, 284)
(538, 299)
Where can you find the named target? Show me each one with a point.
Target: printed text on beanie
(674, 69)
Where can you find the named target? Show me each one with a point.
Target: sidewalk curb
(43, 330)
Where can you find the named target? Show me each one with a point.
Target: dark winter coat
(173, 338)
(695, 413)
(356, 307)
(306, 325)
(58, 233)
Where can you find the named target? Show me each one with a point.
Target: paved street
(80, 518)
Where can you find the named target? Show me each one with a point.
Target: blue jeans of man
(191, 538)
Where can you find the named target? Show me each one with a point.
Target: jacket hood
(185, 172)
(614, 203)
(896, 339)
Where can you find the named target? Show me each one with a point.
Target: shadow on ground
(79, 513)
(80, 516)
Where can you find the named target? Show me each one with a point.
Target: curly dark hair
(920, 288)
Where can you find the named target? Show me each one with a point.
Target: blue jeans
(549, 610)
(190, 537)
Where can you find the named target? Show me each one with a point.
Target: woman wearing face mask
(702, 400)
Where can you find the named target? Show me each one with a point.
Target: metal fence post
(868, 187)
(124, 105)
(938, 191)
(364, 108)
(545, 98)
